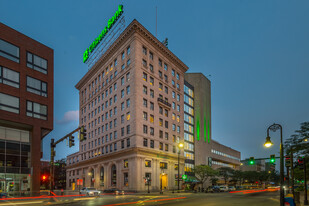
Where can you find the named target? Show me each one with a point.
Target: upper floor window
(37, 63)
(9, 77)
(173, 72)
(160, 62)
(36, 86)
(9, 103)
(128, 50)
(9, 51)
(151, 55)
(144, 50)
(165, 67)
(36, 110)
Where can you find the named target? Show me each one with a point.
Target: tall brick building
(26, 108)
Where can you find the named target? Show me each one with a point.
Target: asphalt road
(177, 199)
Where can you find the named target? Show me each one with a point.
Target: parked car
(232, 188)
(213, 189)
(224, 188)
(90, 191)
(114, 191)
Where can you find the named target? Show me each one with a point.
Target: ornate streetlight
(268, 143)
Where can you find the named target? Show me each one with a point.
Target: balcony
(164, 102)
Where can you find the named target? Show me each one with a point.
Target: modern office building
(131, 102)
(26, 108)
(200, 148)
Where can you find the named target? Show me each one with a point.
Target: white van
(224, 188)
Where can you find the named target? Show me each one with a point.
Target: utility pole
(52, 156)
(305, 171)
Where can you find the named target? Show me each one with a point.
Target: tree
(296, 141)
(226, 173)
(214, 180)
(203, 172)
(238, 176)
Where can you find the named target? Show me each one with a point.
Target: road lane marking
(141, 201)
(21, 203)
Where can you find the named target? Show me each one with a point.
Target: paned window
(36, 110)
(36, 86)
(37, 63)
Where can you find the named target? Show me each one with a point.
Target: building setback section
(26, 108)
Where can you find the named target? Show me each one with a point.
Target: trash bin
(289, 199)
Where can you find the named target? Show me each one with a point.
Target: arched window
(114, 176)
(102, 176)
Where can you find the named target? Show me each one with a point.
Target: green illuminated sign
(110, 24)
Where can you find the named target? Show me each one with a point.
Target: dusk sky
(257, 53)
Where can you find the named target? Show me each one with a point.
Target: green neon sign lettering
(110, 24)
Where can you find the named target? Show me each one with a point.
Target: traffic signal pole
(53, 154)
(305, 171)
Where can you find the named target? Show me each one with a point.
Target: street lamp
(180, 145)
(268, 143)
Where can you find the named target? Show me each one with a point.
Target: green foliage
(225, 173)
(296, 141)
(203, 172)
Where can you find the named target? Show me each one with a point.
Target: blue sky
(257, 53)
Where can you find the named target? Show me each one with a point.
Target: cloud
(69, 117)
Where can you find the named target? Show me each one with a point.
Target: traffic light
(83, 134)
(71, 141)
(251, 161)
(272, 158)
(287, 161)
(301, 163)
(184, 177)
(44, 177)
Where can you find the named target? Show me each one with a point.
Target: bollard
(61, 192)
(297, 197)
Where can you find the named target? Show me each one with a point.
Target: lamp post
(180, 145)
(268, 143)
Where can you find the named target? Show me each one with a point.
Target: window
(166, 136)
(151, 55)
(151, 93)
(145, 116)
(151, 67)
(122, 144)
(128, 116)
(128, 50)
(160, 74)
(151, 106)
(145, 142)
(144, 63)
(165, 78)
(178, 97)
(145, 90)
(145, 129)
(151, 131)
(144, 76)
(122, 55)
(122, 67)
(9, 51)
(160, 62)
(115, 62)
(173, 72)
(178, 87)
(178, 108)
(128, 129)
(122, 106)
(128, 142)
(144, 50)
(37, 63)
(177, 76)
(125, 163)
(122, 80)
(161, 122)
(115, 86)
(161, 147)
(128, 76)
(160, 110)
(163, 165)
(161, 134)
(9, 103)
(160, 86)
(122, 119)
(128, 103)
(122, 131)
(128, 62)
(36, 110)
(166, 124)
(151, 143)
(173, 105)
(147, 163)
(151, 118)
(166, 147)
(122, 93)
(165, 67)
(174, 127)
(173, 95)
(36, 86)
(145, 102)
(173, 83)
(166, 112)
(128, 90)
(9, 77)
